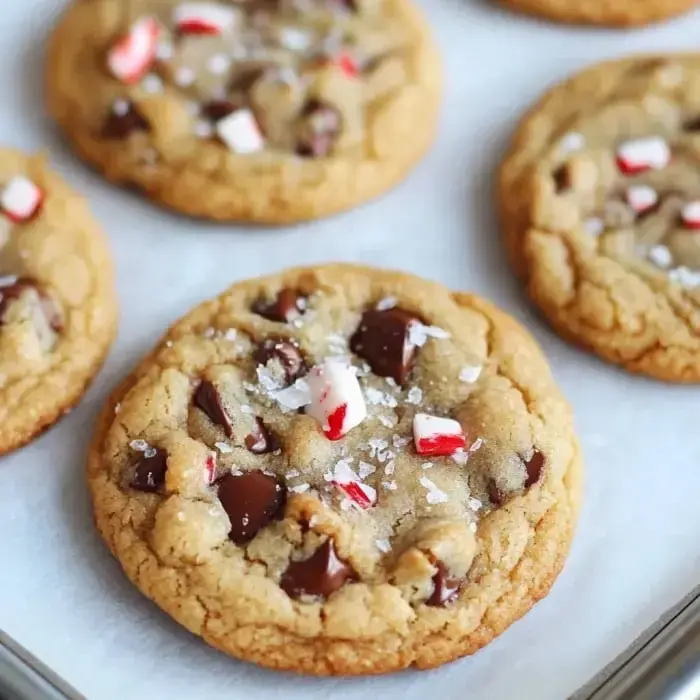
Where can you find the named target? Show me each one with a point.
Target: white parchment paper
(65, 599)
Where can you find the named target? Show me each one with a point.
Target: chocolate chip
(218, 109)
(261, 440)
(318, 129)
(208, 399)
(286, 353)
(497, 497)
(445, 589)
(533, 467)
(15, 290)
(123, 120)
(692, 124)
(382, 338)
(251, 501)
(562, 178)
(287, 306)
(319, 575)
(149, 474)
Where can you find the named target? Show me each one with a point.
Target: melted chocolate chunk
(318, 130)
(218, 109)
(382, 338)
(692, 124)
(251, 501)
(208, 399)
(319, 575)
(261, 440)
(533, 467)
(498, 498)
(445, 589)
(562, 178)
(288, 305)
(286, 353)
(15, 290)
(123, 120)
(149, 475)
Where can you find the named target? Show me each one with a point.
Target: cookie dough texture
(617, 13)
(57, 304)
(346, 114)
(476, 527)
(623, 283)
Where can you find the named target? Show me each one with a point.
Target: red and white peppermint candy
(437, 436)
(21, 199)
(641, 198)
(639, 155)
(133, 55)
(204, 18)
(346, 480)
(240, 132)
(690, 215)
(337, 402)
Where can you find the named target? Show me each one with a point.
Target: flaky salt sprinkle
(426, 465)
(469, 373)
(165, 51)
(117, 408)
(300, 488)
(399, 441)
(434, 495)
(209, 332)
(460, 457)
(346, 504)
(389, 485)
(223, 447)
(386, 303)
(476, 444)
(248, 410)
(120, 107)
(139, 445)
(383, 546)
(364, 469)
(169, 343)
(376, 445)
(474, 504)
(418, 334)
(292, 474)
(184, 76)
(150, 452)
(472, 527)
(415, 396)
(391, 382)
(268, 381)
(386, 421)
(218, 64)
(152, 84)
(571, 142)
(203, 129)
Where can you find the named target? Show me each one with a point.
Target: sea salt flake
(223, 447)
(386, 303)
(152, 84)
(230, 334)
(150, 452)
(248, 410)
(418, 334)
(218, 64)
(399, 441)
(391, 382)
(383, 546)
(593, 226)
(389, 485)
(184, 76)
(117, 408)
(209, 332)
(661, 256)
(267, 379)
(292, 474)
(415, 396)
(203, 129)
(346, 504)
(469, 373)
(377, 445)
(364, 469)
(476, 445)
(165, 51)
(460, 457)
(300, 488)
(472, 527)
(426, 465)
(474, 504)
(139, 445)
(389, 468)
(572, 142)
(386, 421)
(434, 495)
(295, 396)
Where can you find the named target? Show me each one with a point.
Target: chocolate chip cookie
(340, 470)
(259, 111)
(620, 13)
(600, 205)
(57, 303)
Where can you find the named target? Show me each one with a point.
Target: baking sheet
(636, 553)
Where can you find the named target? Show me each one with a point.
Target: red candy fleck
(440, 445)
(356, 493)
(347, 64)
(198, 27)
(211, 469)
(334, 431)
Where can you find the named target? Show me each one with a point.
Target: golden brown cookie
(57, 302)
(599, 199)
(340, 470)
(263, 112)
(616, 13)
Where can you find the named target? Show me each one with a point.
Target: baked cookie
(258, 111)
(600, 204)
(57, 303)
(340, 470)
(616, 13)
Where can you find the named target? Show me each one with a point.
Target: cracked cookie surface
(57, 300)
(259, 111)
(617, 13)
(599, 199)
(340, 470)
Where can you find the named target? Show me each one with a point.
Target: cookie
(57, 301)
(616, 13)
(254, 112)
(340, 470)
(599, 199)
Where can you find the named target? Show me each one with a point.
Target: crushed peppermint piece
(133, 54)
(139, 445)
(345, 504)
(299, 488)
(434, 495)
(391, 382)
(337, 344)
(8, 280)
(383, 455)
(389, 485)
(203, 18)
(639, 155)
(383, 546)
(469, 373)
(364, 469)
(415, 396)
(386, 303)
(641, 198)
(418, 334)
(389, 468)
(690, 215)
(472, 527)
(223, 447)
(20, 199)
(476, 444)
(241, 133)
(435, 436)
